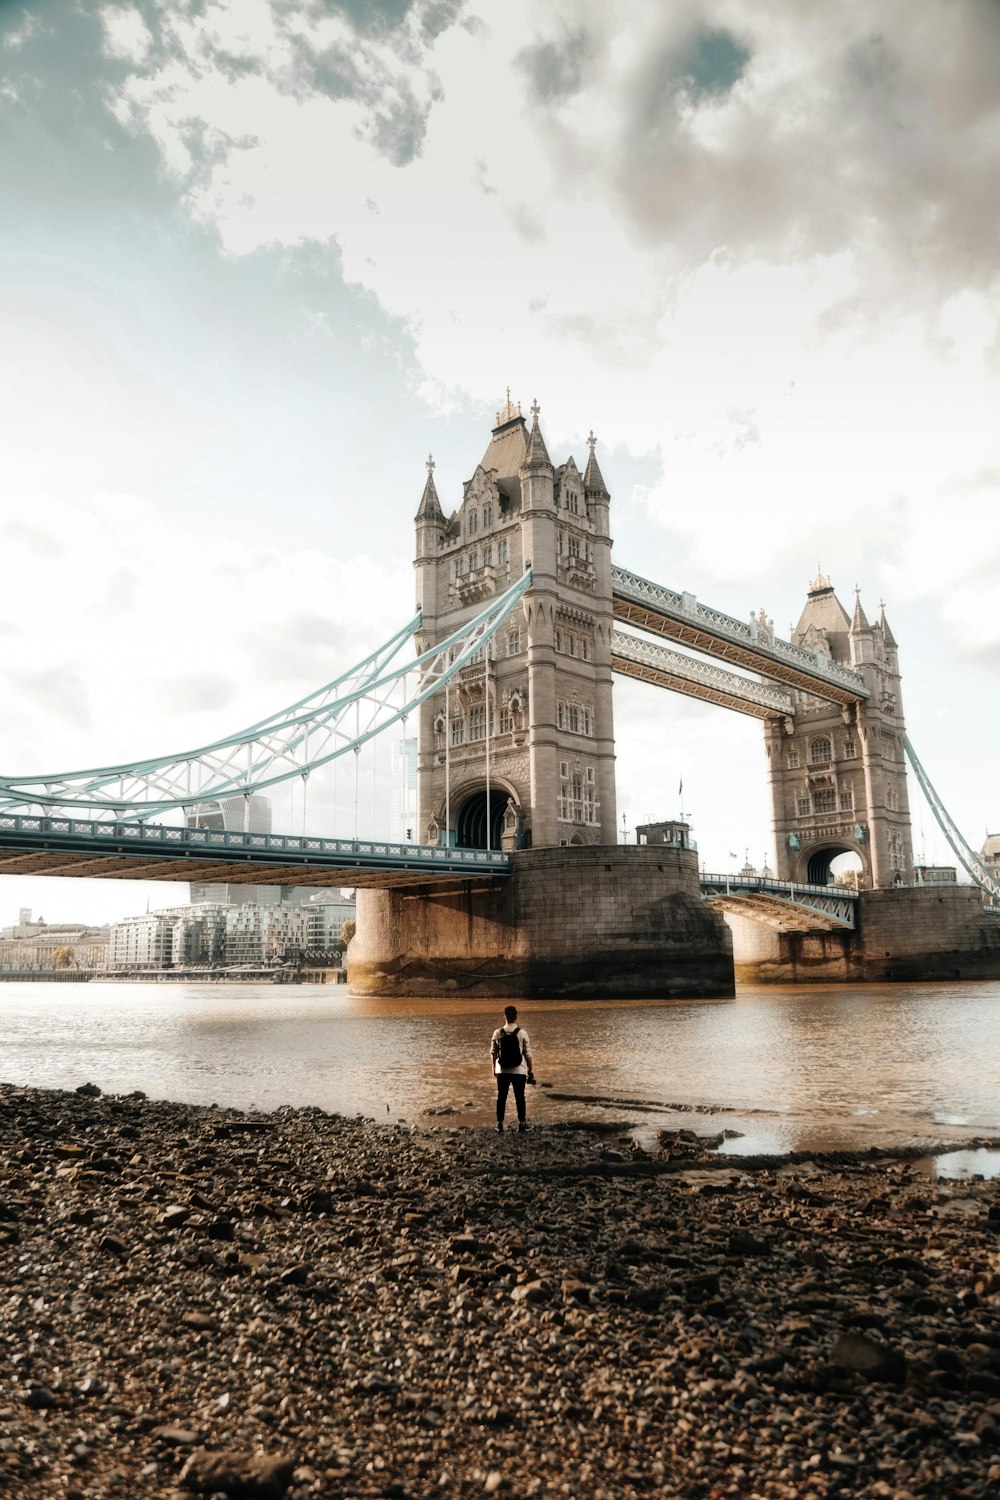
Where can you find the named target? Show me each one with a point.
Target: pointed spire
(430, 506)
(536, 456)
(593, 479)
(860, 621)
(887, 634)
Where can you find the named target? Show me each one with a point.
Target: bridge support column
(587, 922)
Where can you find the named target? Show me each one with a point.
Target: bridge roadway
(681, 618)
(137, 851)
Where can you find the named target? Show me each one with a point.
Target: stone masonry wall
(908, 934)
(594, 921)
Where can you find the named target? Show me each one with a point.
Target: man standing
(511, 1054)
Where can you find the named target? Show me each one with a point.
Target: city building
(235, 815)
(403, 793)
(29, 946)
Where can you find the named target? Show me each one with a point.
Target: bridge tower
(520, 751)
(838, 774)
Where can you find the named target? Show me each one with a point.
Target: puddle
(981, 1161)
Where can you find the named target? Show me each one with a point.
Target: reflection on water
(806, 1069)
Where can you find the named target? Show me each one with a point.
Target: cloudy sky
(259, 257)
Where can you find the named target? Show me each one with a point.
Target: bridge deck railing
(164, 837)
(790, 888)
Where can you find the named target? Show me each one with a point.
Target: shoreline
(206, 1300)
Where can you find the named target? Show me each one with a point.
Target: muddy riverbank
(200, 1301)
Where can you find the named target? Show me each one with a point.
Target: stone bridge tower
(838, 775)
(542, 693)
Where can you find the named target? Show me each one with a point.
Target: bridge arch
(815, 865)
(469, 815)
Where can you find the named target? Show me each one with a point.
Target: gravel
(205, 1302)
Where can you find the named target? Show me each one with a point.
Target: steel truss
(338, 718)
(969, 860)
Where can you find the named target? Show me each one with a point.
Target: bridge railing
(162, 836)
(789, 888)
(714, 622)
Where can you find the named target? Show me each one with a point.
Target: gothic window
(820, 750)
(571, 644)
(564, 769)
(559, 544)
(588, 803)
(574, 546)
(473, 522)
(458, 731)
(825, 800)
(459, 566)
(574, 719)
(590, 775)
(584, 649)
(560, 715)
(506, 720)
(847, 799)
(513, 641)
(803, 805)
(558, 640)
(573, 502)
(487, 557)
(477, 722)
(487, 515)
(502, 552)
(850, 750)
(588, 722)
(792, 759)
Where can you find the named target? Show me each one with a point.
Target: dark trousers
(504, 1082)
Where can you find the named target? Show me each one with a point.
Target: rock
(89, 1091)
(239, 1476)
(864, 1355)
(174, 1216)
(112, 1245)
(702, 1287)
(221, 1229)
(201, 1322)
(175, 1437)
(531, 1292)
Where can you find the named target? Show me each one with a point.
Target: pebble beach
(206, 1302)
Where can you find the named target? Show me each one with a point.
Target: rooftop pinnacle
(536, 456)
(430, 506)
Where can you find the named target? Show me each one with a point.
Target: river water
(811, 1068)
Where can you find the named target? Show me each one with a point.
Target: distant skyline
(260, 258)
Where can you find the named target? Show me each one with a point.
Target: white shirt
(524, 1066)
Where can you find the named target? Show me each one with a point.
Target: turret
(862, 640)
(430, 527)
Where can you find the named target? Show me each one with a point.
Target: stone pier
(908, 934)
(585, 922)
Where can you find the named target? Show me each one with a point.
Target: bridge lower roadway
(140, 851)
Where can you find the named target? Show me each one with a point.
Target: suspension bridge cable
(966, 856)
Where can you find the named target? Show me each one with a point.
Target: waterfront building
(142, 942)
(326, 912)
(29, 946)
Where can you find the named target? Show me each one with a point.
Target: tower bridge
(515, 882)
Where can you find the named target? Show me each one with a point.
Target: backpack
(510, 1049)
